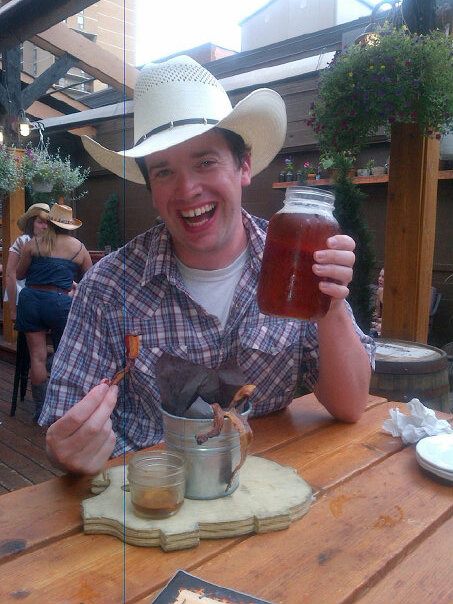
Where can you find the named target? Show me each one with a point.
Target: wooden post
(410, 233)
(13, 207)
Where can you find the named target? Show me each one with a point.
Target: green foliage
(10, 173)
(40, 165)
(289, 165)
(109, 227)
(396, 77)
(348, 212)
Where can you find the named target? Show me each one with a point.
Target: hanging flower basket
(399, 77)
(41, 186)
(10, 174)
(48, 172)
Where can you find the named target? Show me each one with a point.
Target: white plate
(437, 471)
(437, 451)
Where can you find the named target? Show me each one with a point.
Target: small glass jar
(157, 483)
(287, 286)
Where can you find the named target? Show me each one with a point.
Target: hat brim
(75, 224)
(37, 209)
(260, 118)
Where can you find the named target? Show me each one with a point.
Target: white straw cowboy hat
(37, 209)
(61, 216)
(179, 99)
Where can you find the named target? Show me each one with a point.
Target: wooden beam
(93, 59)
(42, 83)
(11, 79)
(13, 207)
(21, 19)
(39, 110)
(410, 233)
(26, 78)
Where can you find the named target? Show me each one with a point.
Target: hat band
(193, 120)
(63, 220)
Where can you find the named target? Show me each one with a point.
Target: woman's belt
(50, 288)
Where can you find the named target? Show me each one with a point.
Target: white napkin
(420, 423)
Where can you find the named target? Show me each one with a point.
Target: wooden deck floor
(23, 458)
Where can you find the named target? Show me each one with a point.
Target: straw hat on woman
(50, 263)
(32, 223)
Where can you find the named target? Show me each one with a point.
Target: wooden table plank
(344, 543)
(366, 518)
(414, 580)
(36, 515)
(103, 567)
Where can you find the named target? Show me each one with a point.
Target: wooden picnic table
(379, 530)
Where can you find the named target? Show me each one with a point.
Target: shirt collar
(161, 258)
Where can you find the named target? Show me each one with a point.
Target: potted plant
(10, 173)
(311, 172)
(378, 170)
(289, 169)
(326, 165)
(68, 178)
(399, 77)
(49, 173)
(367, 170)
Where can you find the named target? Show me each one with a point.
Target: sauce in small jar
(157, 483)
(288, 287)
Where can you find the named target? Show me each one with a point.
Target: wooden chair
(21, 371)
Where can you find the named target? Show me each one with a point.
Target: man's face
(197, 191)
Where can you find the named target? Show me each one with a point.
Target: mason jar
(287, 285)
(156, 483)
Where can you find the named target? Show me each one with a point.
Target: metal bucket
(208, 466)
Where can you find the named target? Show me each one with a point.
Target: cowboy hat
(37, 209)
(179, 99)
(61, 216)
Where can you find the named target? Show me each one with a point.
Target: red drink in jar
(288, 287)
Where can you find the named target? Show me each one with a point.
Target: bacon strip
(245, 438)
(239, 423)
(132, 343)
(217, 425)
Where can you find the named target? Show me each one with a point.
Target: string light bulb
(1, 136)
(23, 124)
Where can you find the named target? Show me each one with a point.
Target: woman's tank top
(45, 270)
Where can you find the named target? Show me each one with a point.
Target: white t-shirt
(16, 248)
(214, 290)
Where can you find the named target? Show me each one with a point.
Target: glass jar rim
(309, 194)
(147, 462)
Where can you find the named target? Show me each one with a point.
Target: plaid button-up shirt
(139, 290)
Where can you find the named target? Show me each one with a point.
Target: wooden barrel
(407, 370)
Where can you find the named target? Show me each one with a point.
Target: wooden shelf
(360, 180)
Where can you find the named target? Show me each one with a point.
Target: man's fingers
(340, 257)
(341, 242)
(80, 413)
(89, 450)
(332, 272)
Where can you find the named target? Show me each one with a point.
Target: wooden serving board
(269, 497)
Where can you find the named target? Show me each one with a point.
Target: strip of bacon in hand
(132, 343)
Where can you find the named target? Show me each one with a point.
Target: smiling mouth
(198, 216)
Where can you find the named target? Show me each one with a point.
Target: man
(188, 286)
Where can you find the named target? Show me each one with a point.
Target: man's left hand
(334, 266)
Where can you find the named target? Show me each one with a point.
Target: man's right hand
(83, 439)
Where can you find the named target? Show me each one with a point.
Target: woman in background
(32, 224)
(378, 302)
(50, 262)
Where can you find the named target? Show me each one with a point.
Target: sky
(168, 26)
(165, 27)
